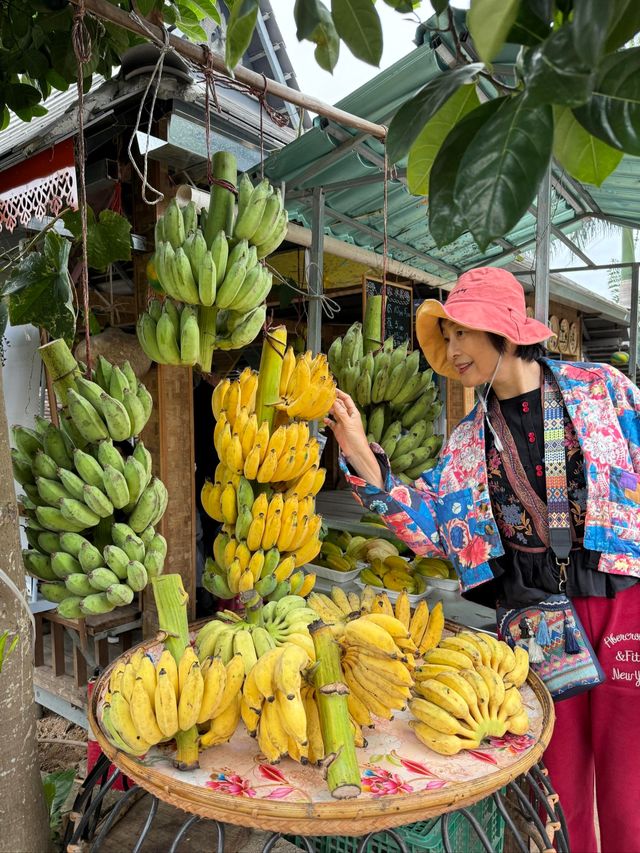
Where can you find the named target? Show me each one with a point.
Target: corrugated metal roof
(350, 168)
(20, 133)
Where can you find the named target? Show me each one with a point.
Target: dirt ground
(61, 745)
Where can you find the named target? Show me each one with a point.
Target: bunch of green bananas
(90, 518)
(397, 403)
(221, 275)
(84, 580)
(146, 703)
(171, 333)
(282, 621)
(332, 556)
(113, 404)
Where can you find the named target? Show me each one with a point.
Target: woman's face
(471, 353)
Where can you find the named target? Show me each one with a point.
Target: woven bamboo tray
(406, 781)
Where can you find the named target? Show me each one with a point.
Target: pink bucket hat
(486, 299)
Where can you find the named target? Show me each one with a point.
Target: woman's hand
(346, 425)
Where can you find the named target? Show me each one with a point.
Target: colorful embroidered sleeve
(626, 399)
(409, 512)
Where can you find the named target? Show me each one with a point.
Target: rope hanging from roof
(81, 41)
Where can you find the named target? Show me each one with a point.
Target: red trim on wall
(59, 156)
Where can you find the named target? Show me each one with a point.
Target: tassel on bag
(571, 645)
(536, 655)
(543, 637)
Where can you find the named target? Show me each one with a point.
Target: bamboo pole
(195, 53)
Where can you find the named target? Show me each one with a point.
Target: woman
(484, 507)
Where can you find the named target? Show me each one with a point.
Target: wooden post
(168, 434)
(460, 401)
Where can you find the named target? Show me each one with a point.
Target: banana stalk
(252, 607)
(207, 323)
(61, 366)
(340, 764)
(372, 326)
(221, 206)
(171, 603)
(268, 393)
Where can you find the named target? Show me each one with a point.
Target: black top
(527, 572)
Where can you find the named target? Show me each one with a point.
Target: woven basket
(341, 817)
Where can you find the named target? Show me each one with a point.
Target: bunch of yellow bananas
(230, 396)
(272, 706)
(467, 690)
(307, 387)
(248, 449)
(377, 658)
(271, 535)
(424, 628)
(146, 704)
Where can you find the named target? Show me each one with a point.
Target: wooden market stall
(341, 252)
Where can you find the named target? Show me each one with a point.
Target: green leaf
(439, 6)
(528, 29)
(210, 10)
(554, 73)
(4, 318)
(145, 7)
(613, 111)
(415, 113)
(446, 220)
(424, 150)
(406, 5)
(542, 9)
(624, 23)
(502, 168)
(314, 23)
(358, 25)
(489, 21)
(240, 27)
(584, 157)
(57, 787)
(108, 239)
(73, 221)
(21, 96)
(589, 28)
(40, 290)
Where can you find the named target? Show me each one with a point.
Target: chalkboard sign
(399, 308)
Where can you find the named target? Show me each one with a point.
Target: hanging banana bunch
(216, 274)
(90, 509)
(269, 474)
(397, 402)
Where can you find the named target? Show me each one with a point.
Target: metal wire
(497, 798)
(115, 811)
(362, 846)
(186, 826)
(155, 802)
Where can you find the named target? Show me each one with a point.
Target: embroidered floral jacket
(447, 513)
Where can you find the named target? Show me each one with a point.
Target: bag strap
(555, 464)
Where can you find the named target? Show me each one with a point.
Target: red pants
(596, 740)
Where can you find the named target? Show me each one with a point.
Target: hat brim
(433, 344)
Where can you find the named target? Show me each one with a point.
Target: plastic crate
(425, 836)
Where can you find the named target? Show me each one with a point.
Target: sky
(350, 73)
